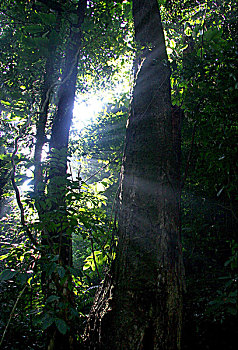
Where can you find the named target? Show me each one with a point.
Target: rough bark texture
(139, 305)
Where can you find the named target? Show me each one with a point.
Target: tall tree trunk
(140, 306)
(57, 228)
(42, 120)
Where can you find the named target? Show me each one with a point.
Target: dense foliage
(202, 47)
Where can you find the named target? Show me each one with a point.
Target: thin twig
(23, 222)
(103, 167)
(12, 313)
(229, 209)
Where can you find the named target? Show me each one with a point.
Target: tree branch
(23, 222)
(102, 167)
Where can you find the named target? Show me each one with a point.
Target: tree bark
(140, 304)
(57, 231)
(42, 120)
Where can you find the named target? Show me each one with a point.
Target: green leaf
(7, 274)
(232, 310)
(48, 18)
(61, 271)
(47, 321)
(61, 325)
(75, 30)
(74, 18)
(52, 298)
(33, 28)
(55, 258)
(211, 34)
(220, 191)
(172, 43)
(51, 268)
(23, 277)
(86, 266)
(188, 31)
(2, 257)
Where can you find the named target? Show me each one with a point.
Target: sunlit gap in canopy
(88, 106)
(85, 110)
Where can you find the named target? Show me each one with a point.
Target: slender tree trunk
(39, 183)
(41, 125)
(58, 233)
(140, 304)
(4, 177)
(50, 75)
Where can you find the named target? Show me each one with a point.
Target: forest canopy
(112, 114)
